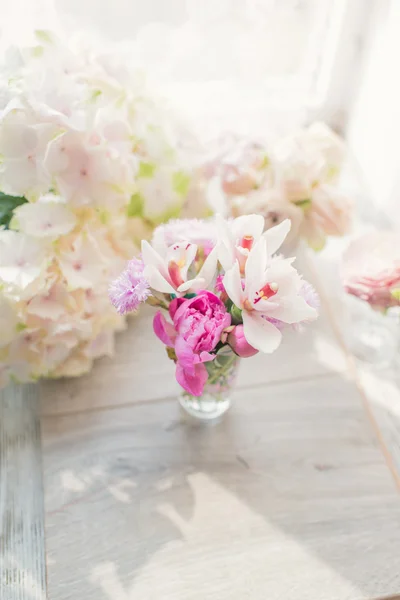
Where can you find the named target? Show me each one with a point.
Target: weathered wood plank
(288, 498)
(22, 553)
(380, 387)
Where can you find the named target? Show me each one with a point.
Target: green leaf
(95, 94)
(172, 212)
(135, 206)
(304, 204)
(44, 36)
(171, 353)
(146, 170)
(395, 294)
(181, 183)
(236, 314)
(7, 206)
(37, 51)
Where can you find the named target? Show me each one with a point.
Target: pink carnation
(130, 289)
(198, 323)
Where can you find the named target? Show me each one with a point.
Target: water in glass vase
(372, 336)
(216, 397)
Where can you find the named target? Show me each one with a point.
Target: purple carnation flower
(130, 289)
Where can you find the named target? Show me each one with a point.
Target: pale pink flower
(87, 173)
(44, 218)
(239, 165)
(328, 213)
(83, 266)
(371, 269)
(50, 305)
(8, 322)
(22, 146)
(22, 258)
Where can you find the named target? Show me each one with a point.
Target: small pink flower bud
(239, 344)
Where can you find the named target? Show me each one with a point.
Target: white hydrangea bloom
(100, 161)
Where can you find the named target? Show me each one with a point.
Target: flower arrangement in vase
(91, 162)
(370, 272)
(226, 295)
(293, 178)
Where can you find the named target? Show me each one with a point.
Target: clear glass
(216, 398)
(372, 336)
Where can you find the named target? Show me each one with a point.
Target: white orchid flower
(238, 237)
(271, 292)
(171, 274)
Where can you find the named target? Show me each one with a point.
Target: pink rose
(329, 213)
(239, 344)
(198, 323)
(240, 165)
(371, 269)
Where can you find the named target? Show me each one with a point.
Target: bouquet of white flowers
(90, 162)
(293, 178)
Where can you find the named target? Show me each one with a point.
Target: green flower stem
(223, 371)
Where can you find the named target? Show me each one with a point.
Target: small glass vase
(216, 397)
(372, 336)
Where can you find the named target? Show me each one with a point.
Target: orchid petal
(193, 284)
(248, 225)
(151, 257)
(226, 245)
(209, 267)
(182, 252)
(157, 281)
(276, 236)
(260, 333)
(255, 268)
(294, 310)
(233, 285)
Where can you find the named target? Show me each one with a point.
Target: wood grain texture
(288, 498)
(380, 387)
(22, 553)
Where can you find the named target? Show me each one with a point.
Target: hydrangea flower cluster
(238, 294)
(90, 163)
(295, 178)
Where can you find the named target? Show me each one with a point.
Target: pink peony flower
(239, 344)
(371, 269)
(198, 323)
(130, 289)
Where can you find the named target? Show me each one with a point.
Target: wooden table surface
(293, 496)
